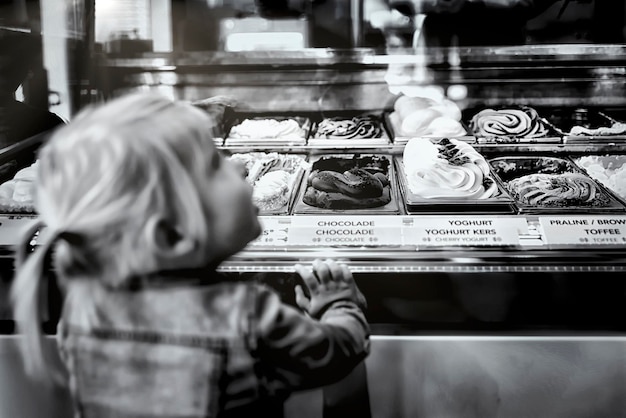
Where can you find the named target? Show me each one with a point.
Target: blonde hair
(100, 180)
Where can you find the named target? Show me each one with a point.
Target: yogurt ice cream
(448, 169)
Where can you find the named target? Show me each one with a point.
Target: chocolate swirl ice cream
(518, 123)
(364, 126)
(567, 189)
(341, 183)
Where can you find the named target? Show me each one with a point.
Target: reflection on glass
(508, 22)
(206, 24)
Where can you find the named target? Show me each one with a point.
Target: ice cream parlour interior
(478, 195)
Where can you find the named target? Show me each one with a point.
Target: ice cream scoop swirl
(449, 169)
(567, 189)
(357, 127)
(518, 123)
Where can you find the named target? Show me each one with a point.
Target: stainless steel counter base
(431, 376)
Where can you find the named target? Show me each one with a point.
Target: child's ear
(167, 241)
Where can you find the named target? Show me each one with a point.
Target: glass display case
(509, 305)
(530, 244)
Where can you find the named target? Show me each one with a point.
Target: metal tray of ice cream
(506, 169)
(398, 138)
(585, 125)
(292, 188)
(259, 138)
(373, 131)
(339, 163)
(501, 203)
(276, 195)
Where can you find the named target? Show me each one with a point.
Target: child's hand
(327, 282)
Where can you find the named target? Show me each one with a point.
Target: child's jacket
(200, 348)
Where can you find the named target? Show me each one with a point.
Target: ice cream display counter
(476, 193)
(409, 156)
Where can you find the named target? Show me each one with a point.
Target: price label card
(465, 231)
(584, 230)
(275, 231)
(371, 230)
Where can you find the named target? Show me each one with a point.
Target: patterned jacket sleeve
(296, 351)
